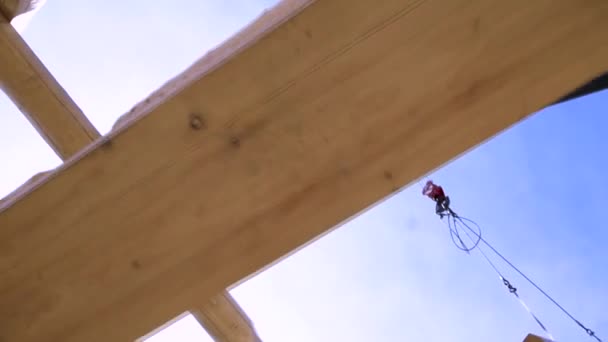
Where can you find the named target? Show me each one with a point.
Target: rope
(510, 287)
(454, 232)
(453, 226)
(506, 282)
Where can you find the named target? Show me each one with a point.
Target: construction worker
(435, 192)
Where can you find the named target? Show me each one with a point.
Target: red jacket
(433, 191)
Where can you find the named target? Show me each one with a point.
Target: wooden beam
(59, 120)
(225, 321)
(268, 142)
(40, 97)
(10, 9)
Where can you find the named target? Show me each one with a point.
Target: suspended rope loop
(454, 233)
(455, 225)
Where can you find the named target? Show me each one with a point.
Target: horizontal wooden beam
(271, 140)
(225, 321)
(29, 84)
(9, 9)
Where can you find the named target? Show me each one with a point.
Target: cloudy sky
(393, 273)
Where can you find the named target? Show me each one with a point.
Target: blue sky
(391, 274)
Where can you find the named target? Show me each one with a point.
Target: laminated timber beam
(67, 130)
(308, 116)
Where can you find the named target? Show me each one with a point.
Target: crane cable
(504, 280)
(454, 231)
(462, 246)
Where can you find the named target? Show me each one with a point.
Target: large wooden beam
(40, 97)
(225, 321)
(59, 120)
(270, 141)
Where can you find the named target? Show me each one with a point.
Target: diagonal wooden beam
(270, 141)
(225, 321)
(28, 83)
(68, 131)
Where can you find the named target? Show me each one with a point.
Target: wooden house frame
(310, 114)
